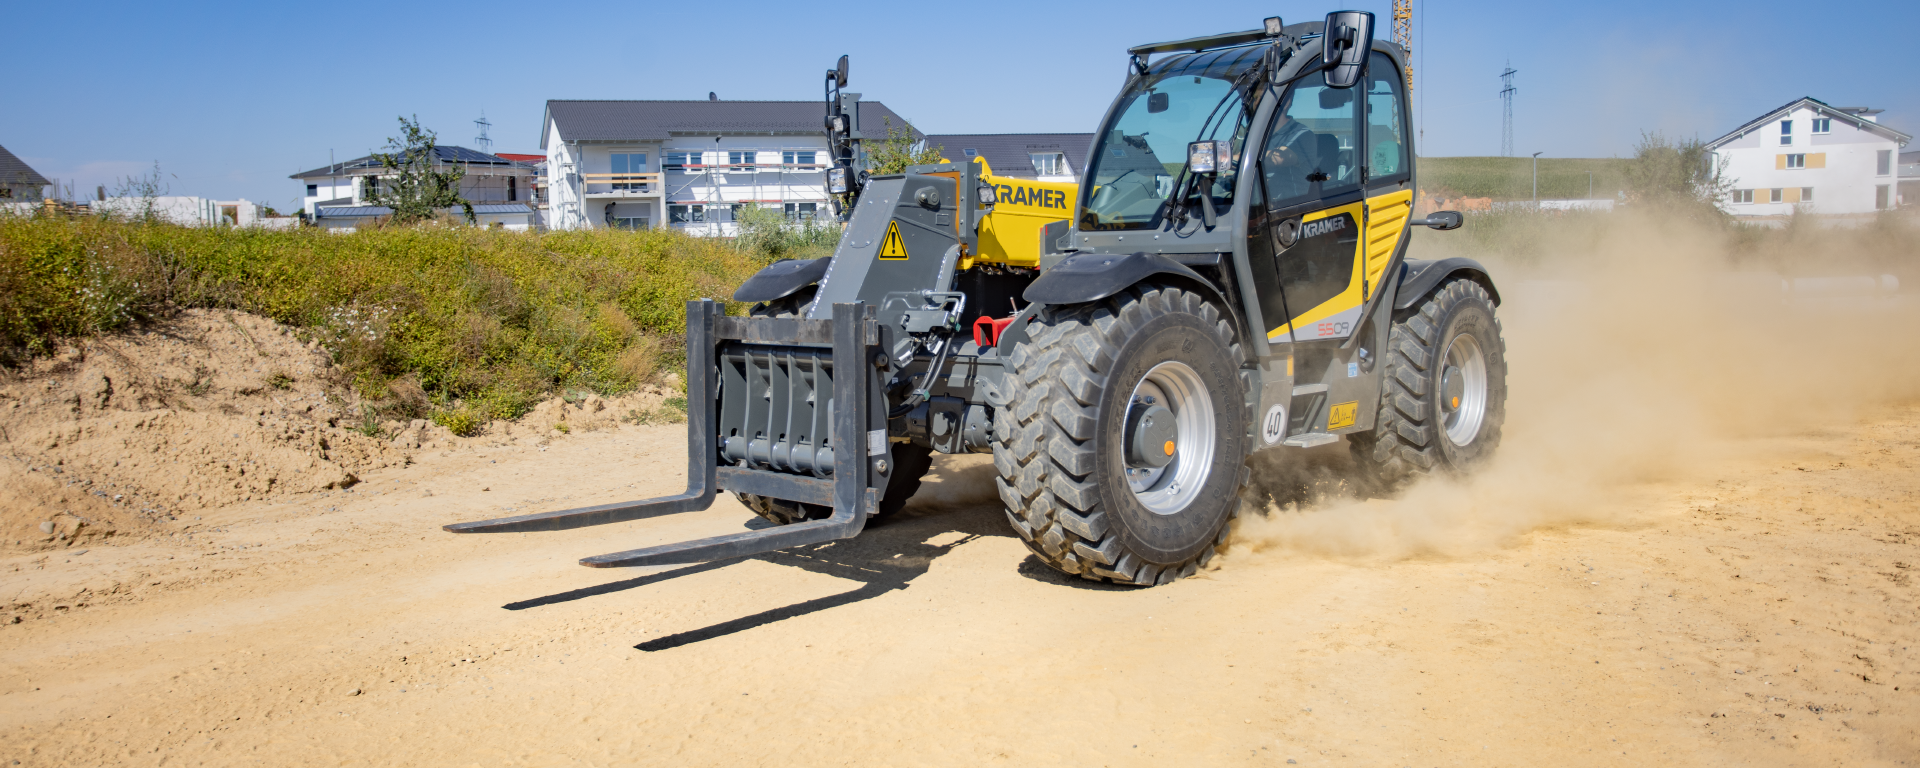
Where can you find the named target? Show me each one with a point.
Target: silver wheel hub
(1167, 465)
(1463, 390)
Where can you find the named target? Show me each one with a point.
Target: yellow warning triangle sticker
(893, 248)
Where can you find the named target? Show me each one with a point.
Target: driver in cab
(1290, 158)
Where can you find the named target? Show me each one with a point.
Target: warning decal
(1342, 415)
(893, 248)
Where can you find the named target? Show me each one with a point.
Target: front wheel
(1443, 392)
(1121, 451)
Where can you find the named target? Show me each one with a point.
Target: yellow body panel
(1383, 218)
(1348, 298)
(1010, 235)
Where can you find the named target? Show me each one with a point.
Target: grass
(461, 325)
(1511, 178)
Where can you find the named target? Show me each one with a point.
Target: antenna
(485, 144)
(1506, 104)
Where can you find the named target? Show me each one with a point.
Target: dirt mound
(210, 408)
(204, 410)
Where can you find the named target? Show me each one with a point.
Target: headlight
(837, 180)
(1274, 25)
(987, 194)
(839, 124)
(1209, 156)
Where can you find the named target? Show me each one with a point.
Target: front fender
(1419, 278)
(1085, 277)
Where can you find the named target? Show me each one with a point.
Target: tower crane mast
(1403, 33)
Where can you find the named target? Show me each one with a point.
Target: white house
(489, 179)
(690, 164)
(1812, 157)
(188, 211)
(1038, 156)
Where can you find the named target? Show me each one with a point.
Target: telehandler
(1229, 276)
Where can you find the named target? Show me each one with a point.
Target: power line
(1506, 104)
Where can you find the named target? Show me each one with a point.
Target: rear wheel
(911, 462)
(1120, 452)
(1443, 392)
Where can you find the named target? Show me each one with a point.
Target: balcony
(621, 184)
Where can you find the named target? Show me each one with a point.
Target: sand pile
(203, 410)
(209, 408)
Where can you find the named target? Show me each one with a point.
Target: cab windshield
(1144, 147)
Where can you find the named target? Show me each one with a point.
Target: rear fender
(1419, 278)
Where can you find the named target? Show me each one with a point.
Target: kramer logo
(1038, 198)
(1323, 226)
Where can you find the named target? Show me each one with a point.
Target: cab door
(1305, 257)
(1389, 167)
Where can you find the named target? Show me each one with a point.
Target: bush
(462, 324)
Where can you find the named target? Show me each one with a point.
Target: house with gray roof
(18, 182)
(691, 165)
(489, 179)
(1812, 157)
(1038, 156)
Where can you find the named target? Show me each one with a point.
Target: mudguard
(781, 279)
(1085, 277)
(1418, 278)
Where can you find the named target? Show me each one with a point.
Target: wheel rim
(1463, 389)
(1177, 387)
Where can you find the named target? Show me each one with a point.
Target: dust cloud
(1641, 350)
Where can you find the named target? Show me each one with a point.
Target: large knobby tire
(1443, 393)
(1060, 442)
(911, 462)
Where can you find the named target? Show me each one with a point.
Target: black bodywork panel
(781, 279)
(1420, 277)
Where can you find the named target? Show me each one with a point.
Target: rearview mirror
(1440, 220)
(1156, 102)
(1345, 43)
(840, 73)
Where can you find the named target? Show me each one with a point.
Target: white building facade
(489, 179)
(1810, 157)
(689, 165)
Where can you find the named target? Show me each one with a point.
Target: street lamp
(1536, 180)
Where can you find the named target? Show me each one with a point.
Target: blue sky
(231, 98)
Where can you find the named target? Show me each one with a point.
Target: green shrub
(469, 323)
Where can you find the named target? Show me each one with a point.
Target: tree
(899, 150)
(1677, 176)
(416, 187)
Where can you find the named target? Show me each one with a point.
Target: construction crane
(1403, 34)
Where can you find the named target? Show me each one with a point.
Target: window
(741, 161)
(687, 214)
(513, 192)
(1309, 149)
(802, 211)
(1796, 161)
(371, 186)
(798, 157)
(1386, 128)
(1786, 132)
(1880, 197)
(683, 161)
(971, 152)
(1883, 163)
(629, 162)
(1049, 163)
(313, 190)
(1823, 125)
(6, 193)
(632, 222)
(1775, 195)
(1743, 196)
(1806, 194)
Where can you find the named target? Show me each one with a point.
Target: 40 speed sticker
(1274, 426)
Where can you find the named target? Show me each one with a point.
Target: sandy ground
(1674, 561)
(1761, 613)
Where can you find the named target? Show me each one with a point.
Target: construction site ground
(1693, 595)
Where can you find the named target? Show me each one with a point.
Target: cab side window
(1309, 151)
(1387, 124)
